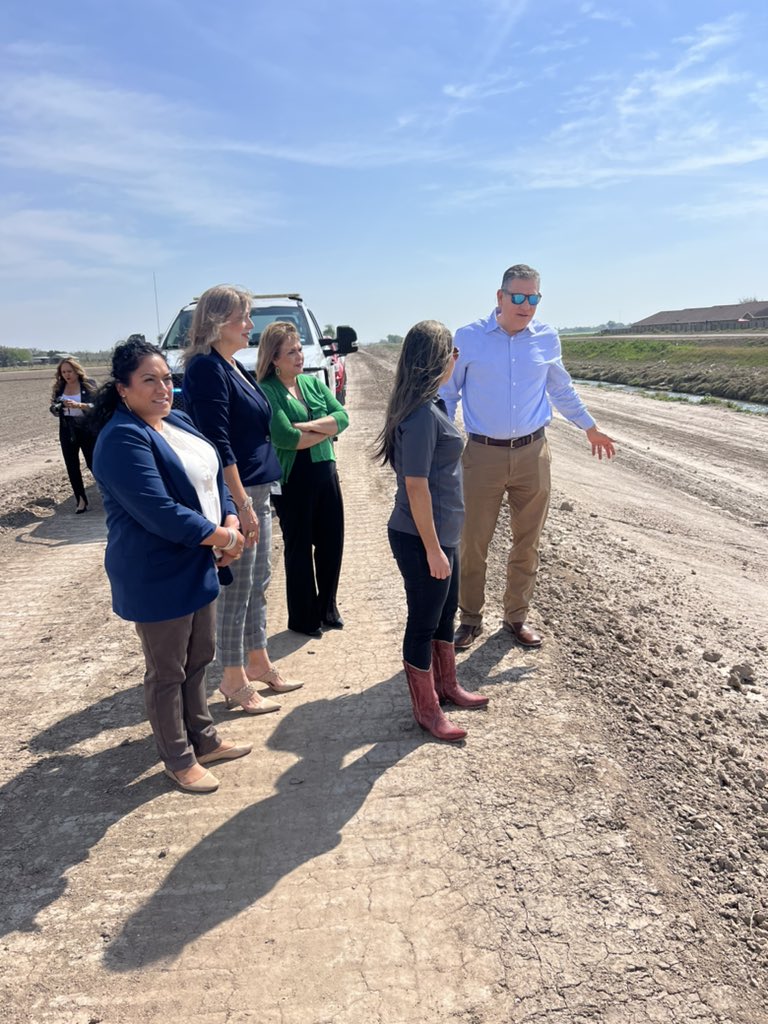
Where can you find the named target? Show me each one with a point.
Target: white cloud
(596, 13)
(492, 85)
(130, 144)
(692, 116)
(37, 241)
(558, 46)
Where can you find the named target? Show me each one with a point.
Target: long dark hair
(424, 358)
(126, 357)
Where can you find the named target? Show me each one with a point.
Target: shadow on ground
(235, 866)
(76, 799)
(60, 525)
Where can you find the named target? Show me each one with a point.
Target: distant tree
(749, 298)
(329, 331)
(14, 356)
(394, 339)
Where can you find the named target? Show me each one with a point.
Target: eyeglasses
(518, 298)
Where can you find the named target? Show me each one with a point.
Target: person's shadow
(62, 526)
(235, 866)
(58, 808)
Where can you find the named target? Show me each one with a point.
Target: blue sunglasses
(518, 298)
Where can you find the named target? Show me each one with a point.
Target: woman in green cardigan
(305, 416)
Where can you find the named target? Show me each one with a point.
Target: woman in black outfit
(424, 448)
(72, 400)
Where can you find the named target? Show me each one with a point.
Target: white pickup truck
(323, 357)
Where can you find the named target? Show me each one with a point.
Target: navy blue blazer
(155, 564)
(233, 415)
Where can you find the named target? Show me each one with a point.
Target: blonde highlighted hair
(214, 308)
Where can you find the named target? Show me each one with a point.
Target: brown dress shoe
(523, 633)
(465, 636)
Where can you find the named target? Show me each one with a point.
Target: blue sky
(387, 160)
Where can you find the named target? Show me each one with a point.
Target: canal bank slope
(731, 367)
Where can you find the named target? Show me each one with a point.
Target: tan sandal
(242, 697)
(207, 783)
(275, 681)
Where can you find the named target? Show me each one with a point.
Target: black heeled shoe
(314, 633)
(79, 511)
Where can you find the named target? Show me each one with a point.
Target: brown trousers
(177, 652)
(490, 472)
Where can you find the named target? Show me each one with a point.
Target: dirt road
(594, 852)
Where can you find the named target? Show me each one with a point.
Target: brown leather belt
(511, 442)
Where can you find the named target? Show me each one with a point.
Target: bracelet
(247, 504)
(232, 539)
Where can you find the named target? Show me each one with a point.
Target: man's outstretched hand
(601, 443)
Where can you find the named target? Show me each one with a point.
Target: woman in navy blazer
(169, 518)
(231, 410)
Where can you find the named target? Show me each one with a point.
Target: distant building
(741, 316)
(50, 359)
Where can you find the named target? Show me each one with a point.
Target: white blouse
(201, 466)
(68, 410)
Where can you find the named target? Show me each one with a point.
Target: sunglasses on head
(518, 298)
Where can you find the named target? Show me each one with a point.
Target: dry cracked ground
(594, 852)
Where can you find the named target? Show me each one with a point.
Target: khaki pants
(489, 472)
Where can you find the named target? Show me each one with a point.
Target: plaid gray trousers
(241, 608)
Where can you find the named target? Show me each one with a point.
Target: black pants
(75, 436)
(432, 603)
(311, 514)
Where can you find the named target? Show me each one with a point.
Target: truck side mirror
(346, 340)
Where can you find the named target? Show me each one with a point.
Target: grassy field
(722, 366)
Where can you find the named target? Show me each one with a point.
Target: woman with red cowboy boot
(424, 448)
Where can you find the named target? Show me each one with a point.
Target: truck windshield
(177, 336)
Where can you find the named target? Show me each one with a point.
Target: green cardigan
(287, 410)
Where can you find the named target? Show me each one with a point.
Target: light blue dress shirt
(508, 383)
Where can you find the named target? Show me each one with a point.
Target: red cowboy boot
(426, 707)
(446, 684)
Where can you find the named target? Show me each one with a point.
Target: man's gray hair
(522, 272)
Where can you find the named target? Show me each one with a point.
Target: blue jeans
(432, 603)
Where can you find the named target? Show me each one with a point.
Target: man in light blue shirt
(508, 376)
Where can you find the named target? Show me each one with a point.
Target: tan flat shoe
(242, 698)
(275, 681)
(227, 754)
(208, 783)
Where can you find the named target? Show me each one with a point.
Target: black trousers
(432, 603)
(75, 437)
(311, 514)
